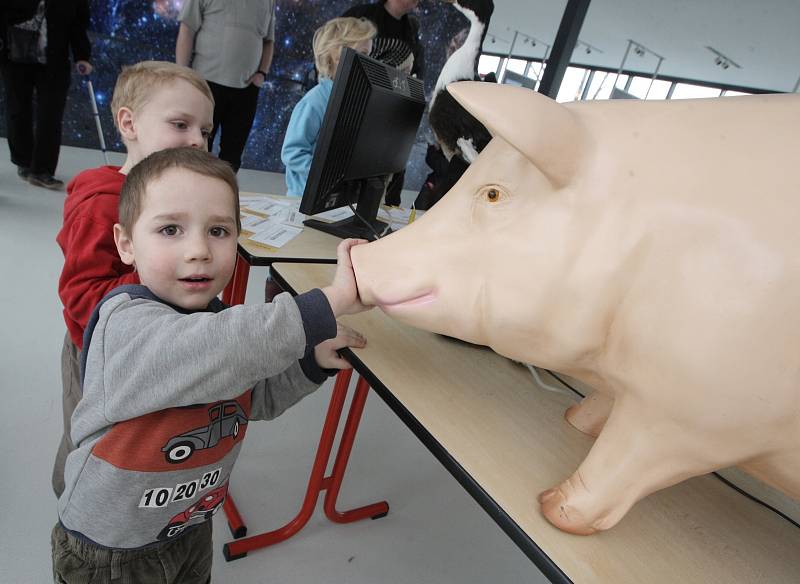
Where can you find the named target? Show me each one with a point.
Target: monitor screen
(369, 128)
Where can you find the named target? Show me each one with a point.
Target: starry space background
(124, 32)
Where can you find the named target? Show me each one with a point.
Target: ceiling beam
(566, 38)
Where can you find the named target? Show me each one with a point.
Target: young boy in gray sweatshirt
(172, 377)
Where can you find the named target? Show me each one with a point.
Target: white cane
(96, 115)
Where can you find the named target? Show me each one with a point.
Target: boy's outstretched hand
(342, 293)
(326, 352)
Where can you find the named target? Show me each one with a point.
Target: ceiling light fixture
(722, 61)
(526, 39)
(640, 50)
(588, 49)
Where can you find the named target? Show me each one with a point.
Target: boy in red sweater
(156, 105)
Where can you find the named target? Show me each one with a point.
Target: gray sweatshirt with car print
(167, 398)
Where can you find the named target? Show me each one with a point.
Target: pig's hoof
(574, 415)
(558, 511)
(571, 508)
(590, 415)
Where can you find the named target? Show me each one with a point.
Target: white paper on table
(335, 214)
(269, 206)
(250, 199)
(394, 214)
(291, 217)
(397, 217)
(253, 223)
(276, 234)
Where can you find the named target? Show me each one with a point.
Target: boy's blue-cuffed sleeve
(319, 323)
(313, 371)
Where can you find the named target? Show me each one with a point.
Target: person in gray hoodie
(171, 378)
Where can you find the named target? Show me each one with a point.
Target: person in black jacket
(42, 68)
(397, 44)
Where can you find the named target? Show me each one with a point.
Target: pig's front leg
(590, 415)
(633, 456)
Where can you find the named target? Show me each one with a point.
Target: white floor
(434, 532)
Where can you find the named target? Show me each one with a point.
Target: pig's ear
(542, 130)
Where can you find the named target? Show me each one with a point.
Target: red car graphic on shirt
(204, 508)
(225, 419)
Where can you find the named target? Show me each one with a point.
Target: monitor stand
(370, 193)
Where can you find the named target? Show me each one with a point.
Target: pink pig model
(648, 249)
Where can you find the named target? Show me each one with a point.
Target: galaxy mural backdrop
(124, 32)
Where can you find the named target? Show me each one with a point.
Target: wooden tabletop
(505, 439)
(311, 245)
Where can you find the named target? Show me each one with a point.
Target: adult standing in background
(230, 43)
(397, 44)
(37, 37)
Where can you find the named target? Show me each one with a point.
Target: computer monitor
(369, 128)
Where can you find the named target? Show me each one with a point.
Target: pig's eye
(492, 194)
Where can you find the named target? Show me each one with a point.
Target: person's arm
(271, 397)
(260, 76)
(79, 39)
(418, 68)
(184, 45)
(302, 132)
(267, 52)
(153, 357)
(191, 19)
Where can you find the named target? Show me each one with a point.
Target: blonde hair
(337, 33)
(154, 166)
(136, 82)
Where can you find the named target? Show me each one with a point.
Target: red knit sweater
(92, 266)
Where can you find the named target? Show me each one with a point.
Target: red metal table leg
(318, 482)
(239, 548)
(373, 511)
(234, 294)
(235, 521)
(235, 290)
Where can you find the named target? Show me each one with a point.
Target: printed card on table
(289, 216)
(245, 200)
(253, 223)
(269, 206)
(276, 234)
(398, 217)
(394, 214)
(335, 214)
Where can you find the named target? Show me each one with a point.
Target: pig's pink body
(651, 250)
